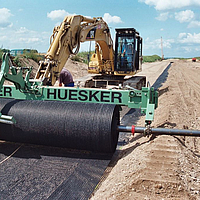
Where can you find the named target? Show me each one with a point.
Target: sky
(29, 23)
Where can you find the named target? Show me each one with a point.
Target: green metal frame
(23, 88)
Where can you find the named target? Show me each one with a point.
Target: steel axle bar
(158, 131)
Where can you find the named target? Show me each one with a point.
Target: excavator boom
(67, 37)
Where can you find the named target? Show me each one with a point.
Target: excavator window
(126, 50)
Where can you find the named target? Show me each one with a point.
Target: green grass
(198, 58)
(82, 56)
(16, 61)
(33, 54)
(152, 58)
(3, 51)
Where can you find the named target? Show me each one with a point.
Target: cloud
(170, 4)
(5, 14)
(188, 38)
(184, 16)
(24, 38)
(187, 49)
(29, 40)
(163, 16)
(112, 19)
(60, 15)
(190, 49)
(168, 43)
(189, 43)
(57, 14)
(194, 24)
(22, 30)
(156, 44)
(182, 35)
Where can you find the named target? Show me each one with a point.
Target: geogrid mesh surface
(40, 172)
(46, 172)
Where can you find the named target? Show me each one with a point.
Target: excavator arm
(67, 37)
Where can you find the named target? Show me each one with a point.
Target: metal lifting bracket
(16, 77)
(23, 88)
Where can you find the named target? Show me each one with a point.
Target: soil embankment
(162, 167)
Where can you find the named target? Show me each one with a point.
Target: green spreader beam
(25, 89)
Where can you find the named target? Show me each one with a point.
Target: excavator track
(136, 82)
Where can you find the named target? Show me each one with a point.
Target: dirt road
(153, 70)
(162, 167)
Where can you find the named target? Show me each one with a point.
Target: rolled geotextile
(74, 125)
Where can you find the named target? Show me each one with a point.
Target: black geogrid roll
(85, 126)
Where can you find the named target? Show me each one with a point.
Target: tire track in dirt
(160, 178)
(184, 111)
(163, 167)
(170, 163)
(190, 162)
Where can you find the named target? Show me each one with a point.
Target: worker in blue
(127, 56)
(66, 78)
(129, 52)
(123, 55)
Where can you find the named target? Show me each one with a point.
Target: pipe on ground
(159, 131)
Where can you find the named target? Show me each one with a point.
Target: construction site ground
(162, 167)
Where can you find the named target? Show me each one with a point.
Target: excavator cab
(128, 51)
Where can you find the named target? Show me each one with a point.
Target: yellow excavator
(110, 67)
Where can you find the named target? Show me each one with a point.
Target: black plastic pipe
(159, 131)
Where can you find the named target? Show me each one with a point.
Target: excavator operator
(66, 78)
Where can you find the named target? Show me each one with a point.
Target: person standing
(66, 78)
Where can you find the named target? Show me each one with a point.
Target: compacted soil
(161, 167)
